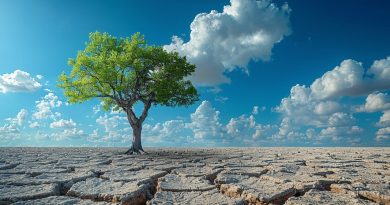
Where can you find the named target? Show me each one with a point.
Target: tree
(126, 71)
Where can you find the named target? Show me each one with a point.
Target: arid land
(195, 176)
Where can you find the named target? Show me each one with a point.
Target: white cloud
(341, 125)
(18, 81)
(45, 105)
(340, 119)
(112, 130)
(349, 79)
(383, 134)
(65, 130)
(384, 119)
(237, 126)
(63, 124)
(342, 80)
(219, 42)
(110, 122)
(96, 109)
(376, 102)
(205, 129)
(384, 122)
(34, 124)
(380, 70)
(221, 99)
(171, 132)
(301, 108)
(205, 122)
(94, 136)
(39, 135)
(322, 106)
(288, 130)
(336, 133)
(9, 132)
(67, 134)
(327, 107)
(245, 127)
(20, 118)
(255, 110)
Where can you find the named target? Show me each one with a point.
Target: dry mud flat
(195, 176)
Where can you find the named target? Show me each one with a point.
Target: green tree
(123, 72)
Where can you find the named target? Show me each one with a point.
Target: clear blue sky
(299, 43)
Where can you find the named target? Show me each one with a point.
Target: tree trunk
(136, 147)
(136, 124)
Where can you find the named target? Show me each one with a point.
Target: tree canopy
(121, 72)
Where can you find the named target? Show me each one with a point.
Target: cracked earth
(195, 176)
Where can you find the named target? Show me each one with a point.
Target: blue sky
(280, 73)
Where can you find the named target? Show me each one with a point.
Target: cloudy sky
(270, 73)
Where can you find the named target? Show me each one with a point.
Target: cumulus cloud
(319, 110)
(336, 133)
(68, 133)
(63, 124)
(246, 128)
(206, 129)
(340, 119)
(383, 134)
(327, 107)
(384, 119)
(376, 102)
(205, 122)
(112, 130)
(65, 130)
(220, 42)
(255, 110)
(10, 130)
(20, 118)
(288, 130)
(18, 81)
(307, 116)
(34, 124)
(302, 108)
(379, 102)
(171, 133)
(350, 79)
(320, 106)
(45, 105)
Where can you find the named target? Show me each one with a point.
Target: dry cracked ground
(195, 176)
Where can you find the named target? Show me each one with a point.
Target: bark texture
(136, 146)
(136, 125)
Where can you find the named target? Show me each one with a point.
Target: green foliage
(124, 71)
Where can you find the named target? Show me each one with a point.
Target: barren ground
(195, 176)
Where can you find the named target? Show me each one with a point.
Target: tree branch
(144, 114)
(131, 117)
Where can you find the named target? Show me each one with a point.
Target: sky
(269, 73)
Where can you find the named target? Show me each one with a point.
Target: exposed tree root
(135, 151)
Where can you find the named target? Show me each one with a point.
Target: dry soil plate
(195, 176)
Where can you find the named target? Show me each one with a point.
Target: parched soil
(195, 176)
